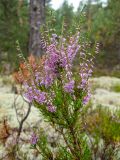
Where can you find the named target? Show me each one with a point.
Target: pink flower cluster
(34, 94)
(58, 66)
(59, 58)
(85, 73)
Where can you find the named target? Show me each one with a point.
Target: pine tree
(11, 29)
(37, 19)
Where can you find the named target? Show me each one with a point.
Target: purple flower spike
(33, 139)
(68, 87)
(86, 99)
(28, 96)
(41, 97)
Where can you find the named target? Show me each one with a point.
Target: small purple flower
(86, 99)
(68, 87)
(41, 97)
(28, 95)
(51, 108)
(33, 139)
(84, 81)
(47, 80)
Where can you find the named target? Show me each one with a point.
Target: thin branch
(22, 122)
(14, 105)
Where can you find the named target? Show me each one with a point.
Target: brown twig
(14, 105)
(22, 122)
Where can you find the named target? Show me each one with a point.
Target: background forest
(51, 105)
(101, 21)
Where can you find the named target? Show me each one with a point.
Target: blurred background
(101, 22)
(21, 30)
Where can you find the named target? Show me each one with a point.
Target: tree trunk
(20, 3)
(37, 19)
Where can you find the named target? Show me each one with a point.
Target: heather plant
(61, 94)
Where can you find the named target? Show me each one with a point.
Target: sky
(57, 3)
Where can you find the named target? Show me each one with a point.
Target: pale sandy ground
(102, 95)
